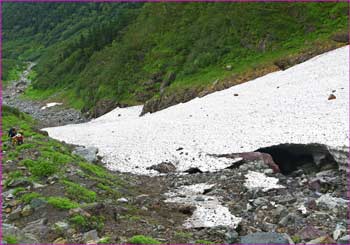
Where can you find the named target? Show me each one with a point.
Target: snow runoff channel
(288, 106)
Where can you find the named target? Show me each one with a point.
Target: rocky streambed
(49, 113)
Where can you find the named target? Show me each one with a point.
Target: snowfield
(288, 106)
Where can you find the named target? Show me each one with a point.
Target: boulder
(164, 167)
(38, 203)
(90, 237)
(265, 238)
(102, 107)
(26, 211)
(193, 170)
(88, 153)
(61, 226)
(332, 97)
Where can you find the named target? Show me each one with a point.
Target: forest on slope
(103, 54)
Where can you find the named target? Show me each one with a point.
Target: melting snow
(208, 213)
(48, 105)
(255, 180)
(288, 106)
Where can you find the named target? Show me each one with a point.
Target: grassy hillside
(155, 48)
(44, 172)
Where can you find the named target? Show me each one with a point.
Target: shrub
(78, 192)
(42, 168)
(140, 239)
(79, 220)
(62, 203)
(88, 223)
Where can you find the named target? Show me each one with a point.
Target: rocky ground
(308, 207)
(249, 202)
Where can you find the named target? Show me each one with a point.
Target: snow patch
(48, 105)
(208, 213)
(256, 180)
(288, 106)
(332, 202)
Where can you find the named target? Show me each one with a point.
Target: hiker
(12, 135)
(19, 137)
(12, 132)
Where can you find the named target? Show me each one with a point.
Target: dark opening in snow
(309, 157)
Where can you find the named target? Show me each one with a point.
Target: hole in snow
(309, 157)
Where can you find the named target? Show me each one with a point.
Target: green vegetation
(140, 239)
(62, 203)
(10, 240)
(121, 52)
(41, 168)
(87, 223)
(104, 240)
(296, 239)
(18, 190)
(11, 70)
(77, 192)
(94, 169)
(79, 220)
(28, 197)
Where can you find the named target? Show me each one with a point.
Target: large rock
(102, 107)
(164, 167)
(38, 228)
(88, 153)
(265, 238)
(91, 237)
